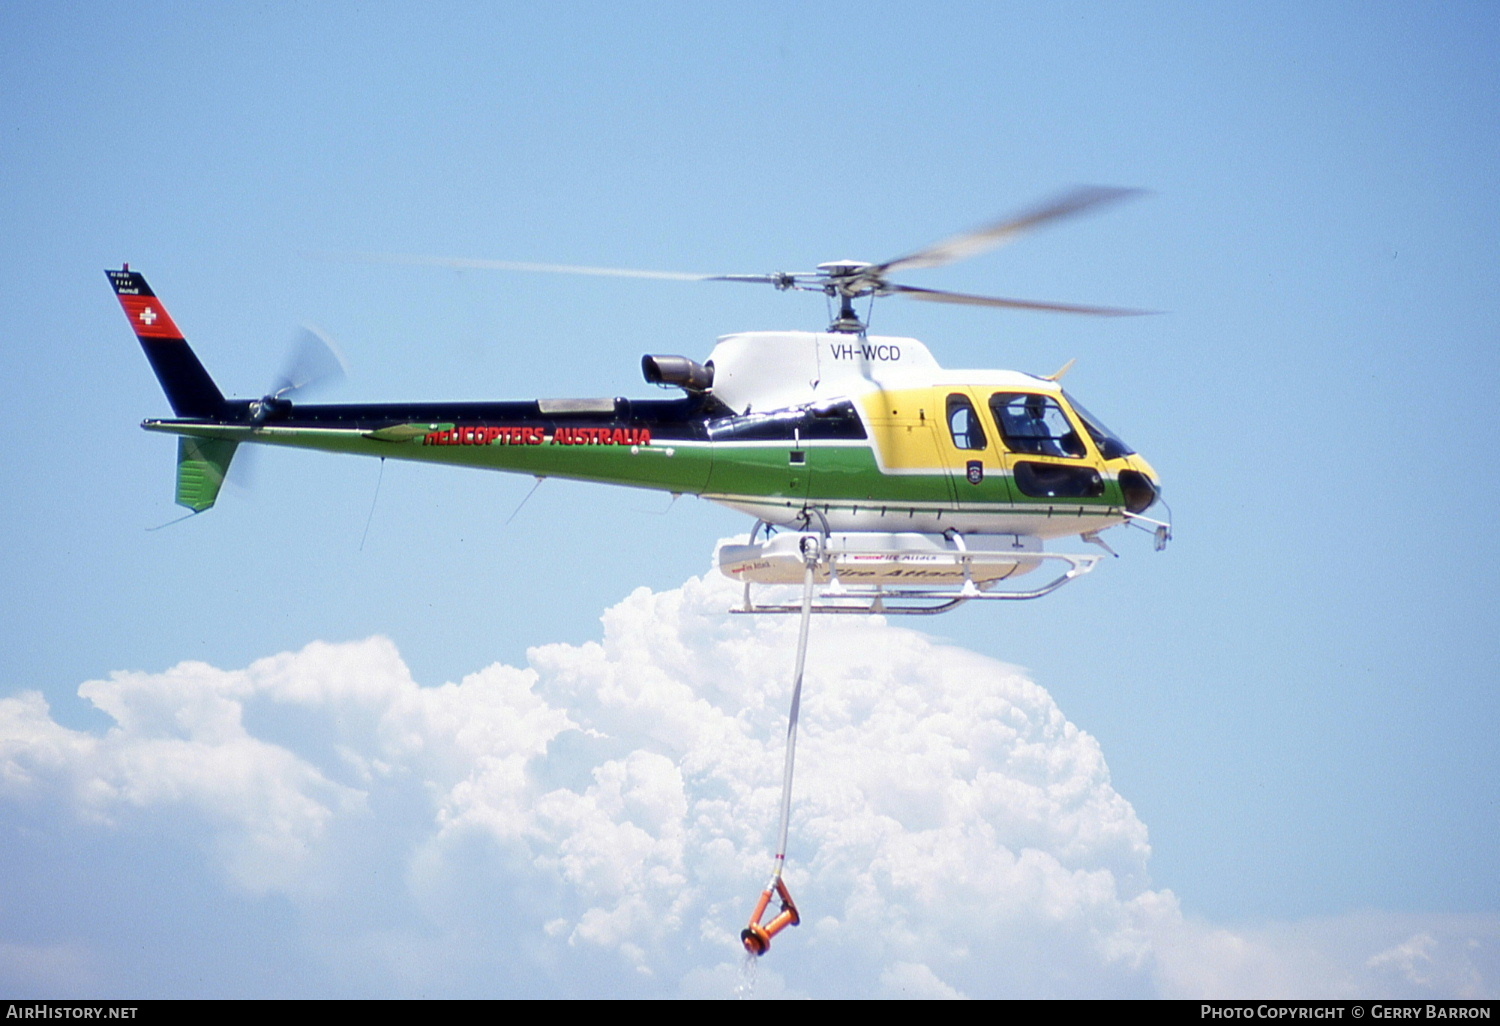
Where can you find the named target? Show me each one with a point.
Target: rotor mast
(846, 281)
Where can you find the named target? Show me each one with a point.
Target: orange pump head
(757, 938)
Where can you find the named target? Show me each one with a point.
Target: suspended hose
(757, 937)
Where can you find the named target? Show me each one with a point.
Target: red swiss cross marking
(148, 318)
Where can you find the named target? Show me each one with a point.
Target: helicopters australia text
(533, 435)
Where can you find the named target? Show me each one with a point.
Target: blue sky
(1297, 698)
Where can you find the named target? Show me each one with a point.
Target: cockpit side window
(1035, 424)
(963, 423)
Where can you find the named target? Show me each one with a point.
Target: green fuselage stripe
(842, 474)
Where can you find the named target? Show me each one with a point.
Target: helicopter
(920, 488)
(879, 480)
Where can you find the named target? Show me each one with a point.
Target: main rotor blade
(980, 240)
(938, 296)
(780, 279)
(467, 263)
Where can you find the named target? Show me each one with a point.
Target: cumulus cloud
(600, 822)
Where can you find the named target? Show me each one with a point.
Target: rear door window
(963, 423)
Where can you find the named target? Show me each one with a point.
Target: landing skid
(955, 572)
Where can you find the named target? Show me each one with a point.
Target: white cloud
(1369, 954)
(600, 822)
(178, 745)
(1411, 959)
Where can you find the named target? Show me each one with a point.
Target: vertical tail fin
(201, 466)
(189, 388)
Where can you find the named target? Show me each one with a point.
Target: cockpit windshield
(1111, 446)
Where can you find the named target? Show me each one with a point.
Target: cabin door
(975, 458)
